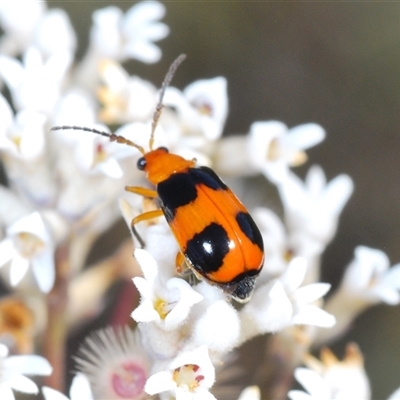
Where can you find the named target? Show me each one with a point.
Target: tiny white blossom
(55, 33)
(35, 84)
(28, 244)
(220, 335)
(201, 111)
(273, 148)
(13, 370)
(282, 303)
(332, 379)
(188, 377)
(19, 27)
(312, 208)
(368, 280)
(96, 154)
(80, 390)
(125, 98)
(23, 136)
(168, 304)
(120, 36)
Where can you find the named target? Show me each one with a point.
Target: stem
(56, 331)
(284, 352)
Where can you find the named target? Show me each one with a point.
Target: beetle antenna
(113, 137)
(167, 80)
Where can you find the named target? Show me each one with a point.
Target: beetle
(216, 236)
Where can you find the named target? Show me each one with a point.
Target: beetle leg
(180, 263)
(144, 217)
(145, 192)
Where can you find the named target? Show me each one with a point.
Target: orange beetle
(216, 235)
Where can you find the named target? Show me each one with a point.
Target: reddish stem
(56, 330)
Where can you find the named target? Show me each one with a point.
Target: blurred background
(335, 64)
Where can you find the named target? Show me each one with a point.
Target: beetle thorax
(160, 165)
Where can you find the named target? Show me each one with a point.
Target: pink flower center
(129, 380)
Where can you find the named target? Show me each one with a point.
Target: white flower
(273, 148)
(19, 27)
(54, 33)
(332, 379)
(283, 303)
(188, 377)
(28, 244)
(22, 137)
(206, 327)
(96, 154)
(115, 364)
(125, 98)
(80, 390)
(168, 304)
(201, 110)
(13, 370)
(35, 84)
(368, 280)
(119, 36)
(75, 107)
(312, 208)
(275, 243)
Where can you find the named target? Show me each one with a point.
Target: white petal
(6, 115)
(145, 11)
(250, 393)
(312, 315)
(392, 277)
(312, 382)
(147, 263)
(12, 71)
(111, 168)
(386, 294)
(315, 180)
(23, 384)
(145, 312)
(33, 223)
(7, 251)
(298, 395)
(159, 382)
(308, 294)
(143, 51)
(338, 193)
(80, 388)
(6, 392)
(306, 136)
(395, 395)
(143, 286)
(187, 298)
(294, 274)
(51, 394)
(18, 269)
(29, 365)
(219, 334)
(44, 270)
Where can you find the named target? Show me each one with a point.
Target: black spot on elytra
(249, 228)
(176, 191)
(207, 249)
(206, 176)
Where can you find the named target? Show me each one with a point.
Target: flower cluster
(66, 187)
